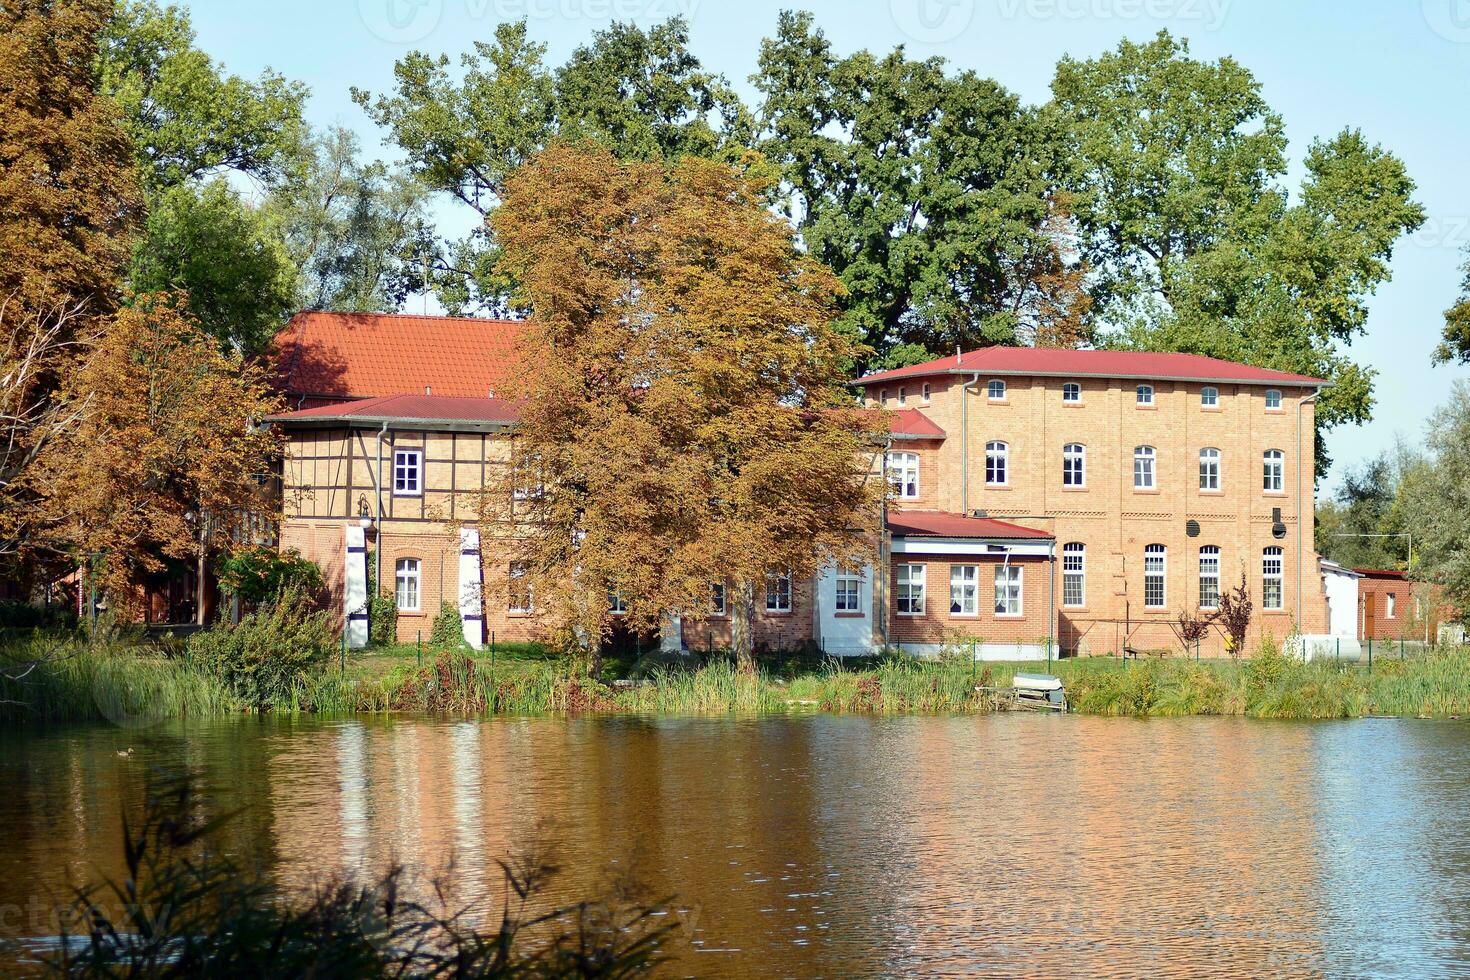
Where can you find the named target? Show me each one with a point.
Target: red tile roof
(407, 408)
(939, 524)
(913, 424)
(342, 356)
(1382, 573)
(1096, 364)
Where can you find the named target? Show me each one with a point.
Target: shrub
(256, 573)
(270, 652)
(383, 619)
(448, 628)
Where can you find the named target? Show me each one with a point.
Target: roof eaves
(1317, 383)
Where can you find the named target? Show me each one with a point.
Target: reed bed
(67, 678)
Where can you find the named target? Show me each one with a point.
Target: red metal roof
(940, 524)
(1382, 573)
(1095, 364)
(914, 424)
(341, 356)
(408, 408)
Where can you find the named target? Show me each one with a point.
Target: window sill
(519, 614)
(1074, 609)
(407, 493)
(955, 615)
(997, 401)
(1147, 408)
(411, 614)
(910, 615)
(1019, 615)
(997, 486)
(1066, 489)
(1275, 612)
(1146, 493)
(1274, 493)
(1212, 493)
(1211, 408)
(778, 612)
(1275, 411)
(1073, 405)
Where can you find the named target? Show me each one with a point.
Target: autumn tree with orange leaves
(169, 459)
(684, 420)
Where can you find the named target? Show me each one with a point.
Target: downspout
(378, 488)
(1300, 556)
(965, 442)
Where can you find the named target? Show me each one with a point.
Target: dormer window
(996, 391)
(1145, 394)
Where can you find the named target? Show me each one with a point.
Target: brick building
(1076, 499)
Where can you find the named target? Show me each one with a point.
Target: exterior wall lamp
(365, 517)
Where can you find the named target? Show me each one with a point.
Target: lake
(1011, 844)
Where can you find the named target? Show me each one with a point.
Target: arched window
(1273, 465)
(1273, 400)
(903, 475)
(1074, 465)
(997, 456)
(1145, 394)
(1071, 392)
(1209, 577)
(520, 588)
(1155, 561)
(903, 395)
(1074, 574)
(924, 392)
(406, 582)
(1209, 397)
(1271, 578)
(996, 391)
(1143, 468)
(1209, 469)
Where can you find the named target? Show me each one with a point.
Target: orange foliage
(685, 406)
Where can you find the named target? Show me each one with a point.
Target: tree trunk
(199, 587)
(741, 641)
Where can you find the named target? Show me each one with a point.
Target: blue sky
(1397, 69)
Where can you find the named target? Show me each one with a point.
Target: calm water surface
(838, 846)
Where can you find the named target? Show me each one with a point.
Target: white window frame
(904, 466)
(964, 590)
(1144, 394)
(903, 395)
(408, 477)
(992, 387)
(1209, 397)
(778, 599)
(924, 393)
(1145, 468)
(1273, 395)
(1074, 390)
(848, 591)
(616, 604)
(408, 584)
(1273, 471)
(1391, 606)
(1074, 465)
(1273, 572)
(997, 461)
(1074, 572)
(1209, 572)
(719, 603)
(909, 588)
(1158, 555)
(1009, 604)
(519, 570)
(1209, 469)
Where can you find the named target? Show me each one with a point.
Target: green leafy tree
(1435, 500)
(189, 119)
(641, 93)
(258, 572)
(1456, 344)
(219, 251)
(1365, 506)
(1175, 167)
(926, 192)
(355, 232)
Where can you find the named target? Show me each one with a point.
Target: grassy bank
(132, 681)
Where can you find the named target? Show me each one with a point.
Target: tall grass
(48, 678)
